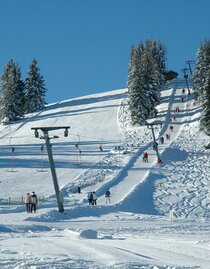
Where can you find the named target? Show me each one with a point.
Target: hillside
(135, 230)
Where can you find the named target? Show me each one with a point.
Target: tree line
(202, 84)
(145, 78)
(18, 96)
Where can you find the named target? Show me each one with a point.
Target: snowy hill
(135, 229)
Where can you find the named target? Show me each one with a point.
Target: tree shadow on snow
(174, 154)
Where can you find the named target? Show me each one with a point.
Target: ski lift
(12, 158)
(42, 160)
(36, 133)
(66, 132)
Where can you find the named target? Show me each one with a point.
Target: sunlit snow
(159, 213)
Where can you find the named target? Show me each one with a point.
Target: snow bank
(88, 234)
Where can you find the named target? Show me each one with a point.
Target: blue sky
(83, 46)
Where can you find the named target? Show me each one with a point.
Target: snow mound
(88, 234)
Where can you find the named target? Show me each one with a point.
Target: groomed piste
(159, 213)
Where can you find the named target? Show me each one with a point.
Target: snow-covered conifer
(200, 75)
(12, 93)
(201, 71)
(205, 120)
(138, 101)
(145, 76)
(35, 89)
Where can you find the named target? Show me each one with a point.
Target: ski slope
(135, 230)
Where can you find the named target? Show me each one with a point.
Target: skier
(177, 109)
(145, 157)
(28, 202)
(167, 136)
(94, 198)
(90, 198)
(107, 195)
(34, 201)
(162, 140)
(171, 128)
(183, 91)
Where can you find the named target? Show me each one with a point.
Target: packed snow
(159, 212)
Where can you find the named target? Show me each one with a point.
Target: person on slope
(34, 201)
(107, 196)
(28, 202)
(94, 198)
(167, 136)
(145, 157)
(162, 139)
(90, 198)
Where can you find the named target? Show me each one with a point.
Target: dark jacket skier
(107, 196)
(90, 198)
(94, 198)
(34, 201)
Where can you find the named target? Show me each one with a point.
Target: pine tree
(201, 71)
(200, 75)
(35, 89)
(152, 74)
(138, 99)
(161, 61)
(145, 76)
(157, 52)
(133, 85)
(205, 120)
(12, 93)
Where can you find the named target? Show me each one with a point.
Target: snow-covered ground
(159, 213)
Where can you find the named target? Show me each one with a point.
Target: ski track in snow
(177, 190)
(135, 230)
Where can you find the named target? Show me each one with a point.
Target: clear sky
(83, 46)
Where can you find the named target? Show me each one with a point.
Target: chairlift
(12, 157)
(42, 160)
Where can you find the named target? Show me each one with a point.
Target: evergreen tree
(12, 93)
(138, 101)
(152, 75)
(145, 76)
(35, 89)
(201, 71)
(161, 60)
(133, 85)
(157, 52)
(200, 75)
(205, 120)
